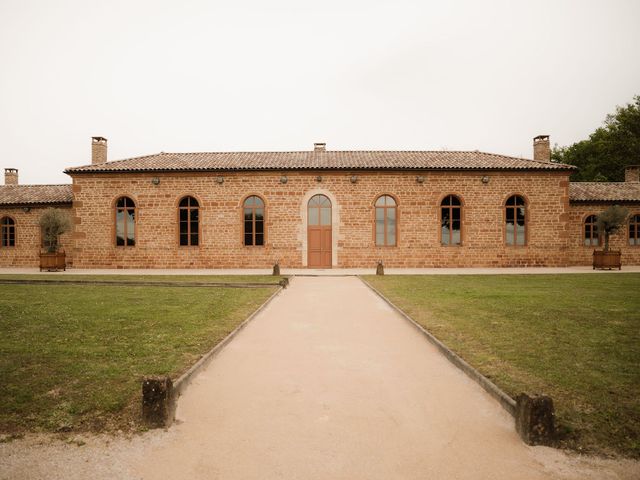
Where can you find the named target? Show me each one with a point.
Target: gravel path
(327, 382)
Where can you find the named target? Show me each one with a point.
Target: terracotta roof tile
(328, 160)
(35, 194)
(604, 191)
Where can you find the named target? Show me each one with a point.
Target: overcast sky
(238, 75)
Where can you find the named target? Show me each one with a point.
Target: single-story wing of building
(320, 209)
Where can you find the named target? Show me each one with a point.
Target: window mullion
(450, 208)
(384, 225)
(515, 226)
(188, 224)
(253, 223)
(450, 226)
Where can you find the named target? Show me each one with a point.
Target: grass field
(574, 337)
(72, 356)
(145, 278)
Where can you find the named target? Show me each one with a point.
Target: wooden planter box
(52, 262)
(608, 260)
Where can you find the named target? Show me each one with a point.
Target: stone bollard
(276, 269)
(158, 402)
(380, 269)
(535, 419)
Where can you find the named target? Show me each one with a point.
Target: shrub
(54, 222)
(610, 222)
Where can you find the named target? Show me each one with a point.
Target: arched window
(253, 214)
(591, 234)
(386, 216)
(451, 220)
(7, 232)
(189, 220)
(634, 230)
(516, 227)
(319, 210)
(125, 222)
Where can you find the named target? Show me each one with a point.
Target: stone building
(320, 209)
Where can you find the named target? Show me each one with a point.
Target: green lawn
(145, 278)
(72, 356)
(574, 337)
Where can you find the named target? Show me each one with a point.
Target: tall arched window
(125, 222)
(591, 234)
(634, 230)
(7, 232)
(189, 221)
(516, 227)
(253, 214)
(386, 216)
(451, 220)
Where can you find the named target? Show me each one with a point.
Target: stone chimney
(319, 147)
(11, 176)
(541, 148)
(631, 173)
(98, 150)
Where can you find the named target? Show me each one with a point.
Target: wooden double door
(319, 233)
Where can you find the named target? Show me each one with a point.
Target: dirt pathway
(326, 383)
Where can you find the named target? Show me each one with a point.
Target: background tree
(609, 149)
(54, 222)
(610, 221)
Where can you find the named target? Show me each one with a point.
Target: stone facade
(580, 254)
(26, 252)
(418, 244)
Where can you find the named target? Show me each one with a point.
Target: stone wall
(583, 255)
(26, 252)
(483, 230)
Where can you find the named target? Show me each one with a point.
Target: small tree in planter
(53, 222)
(609, 222)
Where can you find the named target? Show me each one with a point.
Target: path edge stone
(176, 388)
(508, 403)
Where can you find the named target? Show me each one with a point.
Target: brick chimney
(98, 150)
(541, 148)
(319, 147)
(631, 173)
(11, 176)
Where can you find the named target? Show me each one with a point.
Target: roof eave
(603, 200)
(302, 169)
(36, 204)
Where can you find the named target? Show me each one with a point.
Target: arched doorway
(319, 235)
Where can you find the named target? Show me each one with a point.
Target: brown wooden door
(319, 232)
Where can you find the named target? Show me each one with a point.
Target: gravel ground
(105, 457)
(95, 457)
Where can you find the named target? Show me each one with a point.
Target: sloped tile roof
(312, 160)
(35, 194)
(604, 191)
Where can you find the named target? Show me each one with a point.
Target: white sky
(238, 75)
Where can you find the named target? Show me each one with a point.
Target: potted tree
(53, 223)
(609, 222)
